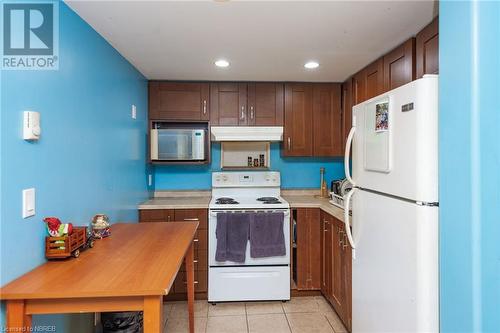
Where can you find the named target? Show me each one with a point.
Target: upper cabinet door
(327, 120)
(178, 100)
(298, 136)
(399, 65)
(346, 110)
(428, 49)
(265, 104)
(228, 104)
(358, 87)
(374, 78)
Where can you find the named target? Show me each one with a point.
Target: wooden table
(129, 271)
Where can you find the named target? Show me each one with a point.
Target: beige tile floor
(301, 314)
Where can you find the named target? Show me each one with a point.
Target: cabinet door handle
(242, 112)
(196, 240)
(195, 261)
(345, 243)
(289, 143)
(195, 282)
(204, 106)
(251, 112)
(168, 218)
(192, 219)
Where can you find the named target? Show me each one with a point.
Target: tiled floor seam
(324, 315)
(287, 321)
(246, 317)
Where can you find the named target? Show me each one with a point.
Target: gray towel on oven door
(232, 236)
(267, 238)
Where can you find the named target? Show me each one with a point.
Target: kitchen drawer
(200, 282)
(200, 215)
(201, 261)
(156, 215)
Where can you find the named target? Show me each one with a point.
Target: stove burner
(268, 199)
(271, 202)
(226, 201)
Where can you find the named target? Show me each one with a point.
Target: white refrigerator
(394, 203)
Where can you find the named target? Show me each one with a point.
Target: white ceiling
(262, 40)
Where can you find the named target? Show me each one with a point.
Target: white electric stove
(256, 278)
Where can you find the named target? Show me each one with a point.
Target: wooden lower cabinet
(179, 290)
(336, 267)
(308, 265)
(156, 215)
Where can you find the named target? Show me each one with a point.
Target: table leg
(17, 319)
(190, 285)
(153, 312)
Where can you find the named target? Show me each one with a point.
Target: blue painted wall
(91, 156)
(296, 172)
(469, 42)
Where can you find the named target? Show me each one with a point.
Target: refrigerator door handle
(347, 154)
(347, 203)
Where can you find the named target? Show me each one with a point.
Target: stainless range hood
(246, 133)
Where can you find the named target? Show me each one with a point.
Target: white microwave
(178, 144)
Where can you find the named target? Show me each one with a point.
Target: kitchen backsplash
(296, 172)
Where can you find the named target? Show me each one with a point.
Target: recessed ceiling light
(311, 65)
(222, 63)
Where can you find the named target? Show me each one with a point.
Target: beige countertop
(311, 201)
(180, 202)
(201, 199)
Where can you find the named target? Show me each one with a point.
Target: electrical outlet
(134, 112)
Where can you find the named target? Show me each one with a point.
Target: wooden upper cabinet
(399, 65)
(298, 137)
(327, 120)
(265, 104)
(178, 100)
(374, 79)
(346, 110)
(358, 87)
(228, 104)
(427, 45)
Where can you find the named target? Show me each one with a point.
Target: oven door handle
(286, 213)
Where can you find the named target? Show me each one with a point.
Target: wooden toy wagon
(70, 245)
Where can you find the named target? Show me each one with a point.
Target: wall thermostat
(31, 125)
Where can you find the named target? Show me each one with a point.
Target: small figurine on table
(56, 228)
(64, 240)
(100, 226)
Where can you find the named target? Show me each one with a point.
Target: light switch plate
(31, 125)
(134, 112)
(28, 202)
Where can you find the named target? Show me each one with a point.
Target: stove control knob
(217, 179)
(224, 178)
(268, 179)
